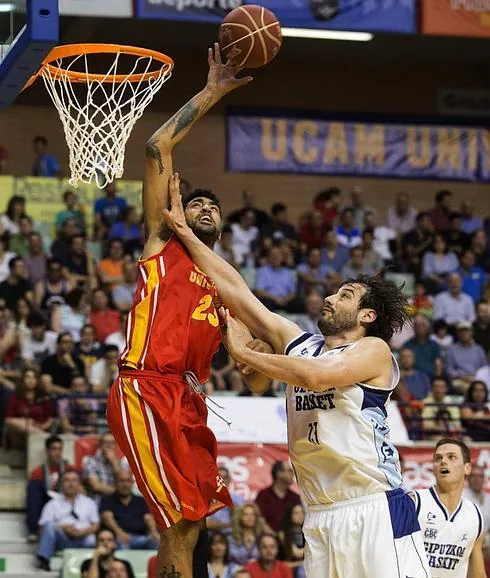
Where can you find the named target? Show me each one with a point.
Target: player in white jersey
(452, 526)
(360, 523)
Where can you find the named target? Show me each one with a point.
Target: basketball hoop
(99, 110)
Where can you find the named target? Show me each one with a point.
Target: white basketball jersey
(448, 540)
(338, 438)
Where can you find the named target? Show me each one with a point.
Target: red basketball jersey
(173, 325)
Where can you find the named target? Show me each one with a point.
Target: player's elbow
(161, 144)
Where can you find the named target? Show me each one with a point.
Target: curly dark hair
(196, 193)
(387, 300)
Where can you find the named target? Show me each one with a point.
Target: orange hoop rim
(69, 50)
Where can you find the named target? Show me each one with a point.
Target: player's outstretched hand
(254, 345)
(235, 334)
(222, 78)
(175, 218)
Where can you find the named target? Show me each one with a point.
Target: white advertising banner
(263, 420)
(104, 8)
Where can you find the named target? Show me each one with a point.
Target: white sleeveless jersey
(448, 540)
(338, 438)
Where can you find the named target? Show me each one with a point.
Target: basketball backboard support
(29, 29)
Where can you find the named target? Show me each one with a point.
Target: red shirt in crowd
(273, 507)
(54, 474)
(39, 411)
(105, 323)
(152, 567)
(278, 570)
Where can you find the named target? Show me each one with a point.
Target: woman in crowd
(475, 416)
(71, 316)
(9, 221)
(28, 410)
(22, 311)
(5, 257)
(292, 538)
(247, 526)
(437, 264)
(219, 565)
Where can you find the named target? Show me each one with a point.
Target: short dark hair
(346, 210)
(13, 262)
(278, 208)
(420, 216)
(62, 335)
(67, 193)
(51, 440)
(389, 302)
(465, 450)
(110, 347)
(73, 297)
(36, 319)
(104, 529)
(441, 195)
(53, 261)
(276, 468)
(41, 139)
(196, 193)
(268, 535)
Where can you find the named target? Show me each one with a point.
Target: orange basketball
(250, 36)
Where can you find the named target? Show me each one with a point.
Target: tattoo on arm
(153, 152)
(171, 572)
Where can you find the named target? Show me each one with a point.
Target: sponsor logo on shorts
(220, 484)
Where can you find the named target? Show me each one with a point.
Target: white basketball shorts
(377, 536)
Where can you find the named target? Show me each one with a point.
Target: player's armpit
(476, 566)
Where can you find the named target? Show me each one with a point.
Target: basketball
(250, 36)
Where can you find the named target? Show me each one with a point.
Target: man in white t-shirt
(104, 371)
(483, 374)
(244, 234)
(40, 342)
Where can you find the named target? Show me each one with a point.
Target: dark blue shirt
(110, 209)
(418, 384)
(46, 166)
(130, 517)
(425, 355)
(473, 282)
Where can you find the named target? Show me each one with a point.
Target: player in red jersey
(155, 408)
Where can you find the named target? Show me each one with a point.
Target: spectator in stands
(78, 415)
(439, 214)
(327, 202)
(415, 243)
(421, 302)
(8, 337)
(118, 338)
(53, 289)
(244, 235)
(384, 239)
(275, 284)
(107, 210)
(401, 216)
(88, 349)
(10, 220)
(437, 264)
(19, 242)
(274, 499)
(479, 246)
(312, 233)
(127, 229)
(104, 319)
(415, 382)
(475, 413)
(474, 277)
(483, 374)
(247, 526)
(128, 517)
(464, 357)
(222, 519)
(426, 351)
(312, 275)
(334, 255)
(21, 314)
(457, 241)
(279, 228)
(69, 521)
(224, 247)
(110, 269)
(45, 164)
(79, 267)
(104, 564)
(356, 265)
(308, 321)
(475, 492)
(102, 468)
(219, 565)
(16, 285)
(104, 371)
(441, 335)
(72, 211)
(28, 410)
(292, 537)
(72, 315)
(469, 223)
(5, 257)
(359, 207)
(60, 247)
(39, 344)
(261, 218)
(453, 305)
(123, 293)
(348, 235)
(45, 482)
(36, 260)
(440, 418)
(267, 565)
(481, 326)
(372, 259)
(64, 365)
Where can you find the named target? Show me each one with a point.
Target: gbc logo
(430, 534)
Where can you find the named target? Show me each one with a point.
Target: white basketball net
(99, 115)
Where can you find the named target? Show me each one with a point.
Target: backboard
(29, 29)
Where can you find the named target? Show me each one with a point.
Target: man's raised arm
(221, 80)
(232, 289)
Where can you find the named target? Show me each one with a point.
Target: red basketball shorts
(160, 426)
